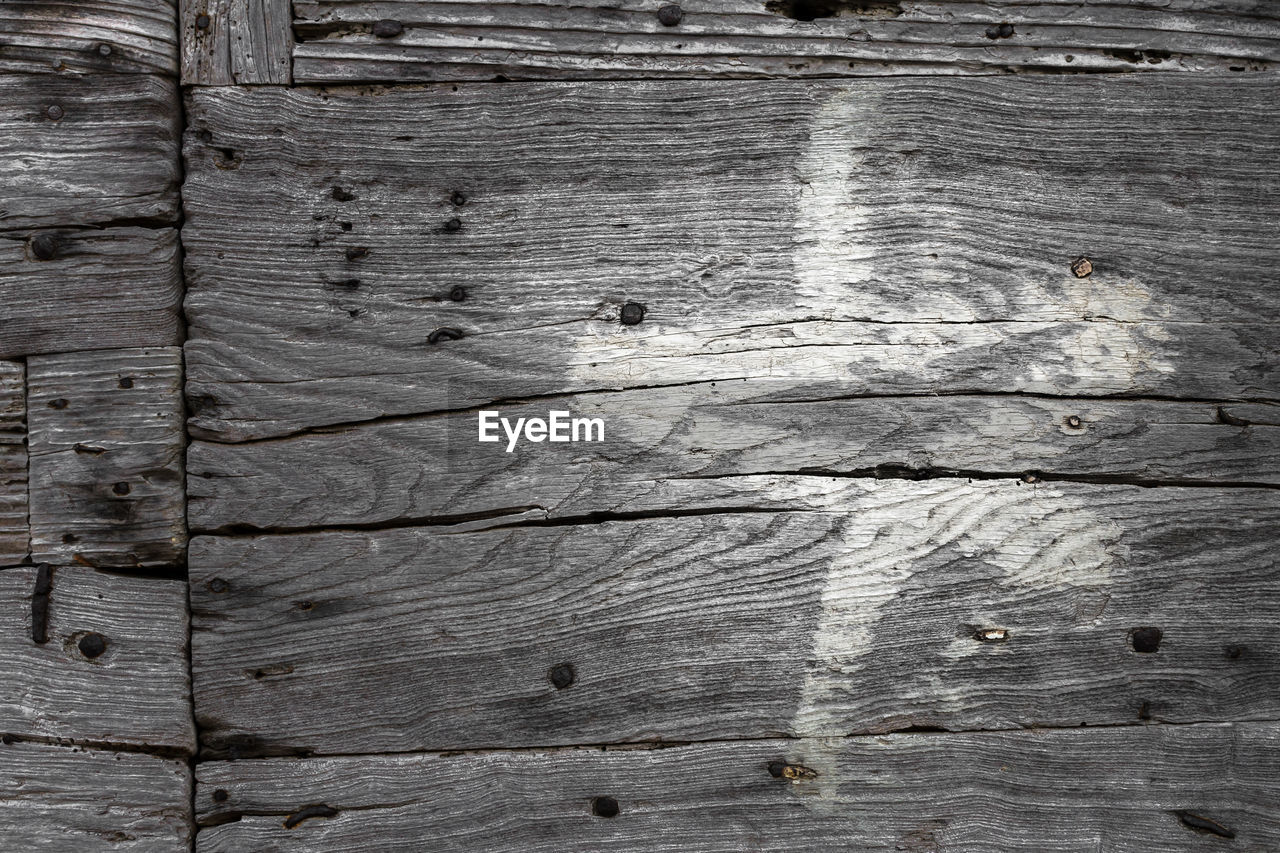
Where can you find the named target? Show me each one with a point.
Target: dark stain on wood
(1204, 824)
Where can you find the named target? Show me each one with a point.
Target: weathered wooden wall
(94, 676)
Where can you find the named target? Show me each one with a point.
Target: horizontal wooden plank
(13, 463)
(226, 42)
(93, 658)
(106, 442)
(90, 37)
(88, 149)
(99, 289)
(820, 608)
(58, 798)
(1130, 789)
(368, 40)
(904, 236)
(434, 467)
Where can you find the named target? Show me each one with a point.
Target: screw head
(387, 28)
(670, 15)
(1081, 267)
(632, 313)
(54, 112)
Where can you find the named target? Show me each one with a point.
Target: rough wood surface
(524, 39)
(106, 443)
(226, 42)
(13, 463)
(1134, 789)
(904, 236)
(823, 607)
(62, 799)
(434, 468)
(112, 669)
(90, 37)
(110, 156)
(116, 287)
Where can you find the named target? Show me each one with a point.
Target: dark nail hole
(670, 15)
(776, 768)
(92, 645)
(126, 382)
(632, 313)
(220, 795)
(44, 247)
(357, 253)
(604, 807)
(121, 488)
(457, 294)
(387, 28)
(1234, 652)
(345, 226)
(68, 538)
(218, 585)
(458, 199)
(562, 675)
(59, 403)
(305, 605)
(1145, 640)
(454, 224)
(340, 194)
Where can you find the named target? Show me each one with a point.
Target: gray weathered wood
(904, 236)
(434, 467)
(13, 463)
(1072, 791)
(62, 799)
(91, 37)
(535, 39)
(106, 443)
(115, 287)
(225, 42)
(128, 689)
(111, 156)
(823, 607)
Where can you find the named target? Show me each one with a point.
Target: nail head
(632, 313)
(670, 15)
(92, 645)
(388, 28)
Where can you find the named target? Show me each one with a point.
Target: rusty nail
(670, 15)
(1081, 267)
(387, 28)
(632, 313)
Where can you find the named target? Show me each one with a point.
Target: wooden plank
(226, 42)
(99, 289)
(770, 230)
(106, 443)
(13, 463)
(112, 667)
(90, 38)
(433, 468)
(744, 607)
(86, 800)
(366, 40)
(1135, 789)
(115, 138)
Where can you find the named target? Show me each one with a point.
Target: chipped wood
(106, 443)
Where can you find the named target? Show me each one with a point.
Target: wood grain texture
(110, 157)
(228, 42)
(115, 287)
(106, 443)
(904, 236)
(14, 541)
(113, 669)
(603, 39)
(434, 468)
(919, 792)
(61, 799)
(755, 607)
(89, 37)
